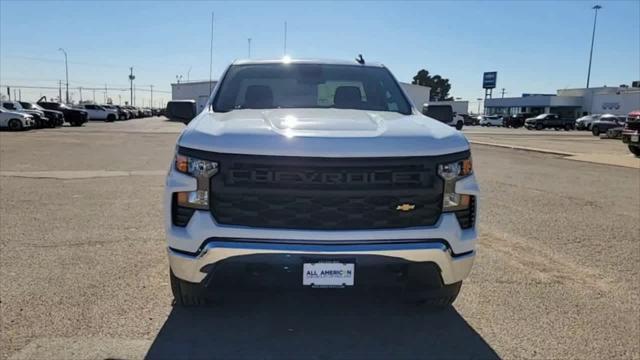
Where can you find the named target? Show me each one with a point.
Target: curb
(525, 148)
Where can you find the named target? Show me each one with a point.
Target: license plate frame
(635, 138)
(328, 273)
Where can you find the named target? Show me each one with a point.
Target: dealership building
(571, 102)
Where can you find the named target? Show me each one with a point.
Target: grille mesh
(325, 193)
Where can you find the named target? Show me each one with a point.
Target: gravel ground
(83, 270)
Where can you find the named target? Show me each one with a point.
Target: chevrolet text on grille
(309, 177)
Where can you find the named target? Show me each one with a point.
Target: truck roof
(304, 61)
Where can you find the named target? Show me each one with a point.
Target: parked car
(147, 112)
(124, 113)
(443, 113)
(631, 132)
(75, 117)
(120, 114)
(135, 111)
(516, 120)
(56, 118)
(99, 112)
(38, 116)
(585, 122)
(491, 120)
(469, 120)
(606, 122)
(15, 120)
(549, 121)
(300, 191)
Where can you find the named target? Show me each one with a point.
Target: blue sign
(489, 80)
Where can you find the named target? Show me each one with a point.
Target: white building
(194, 90)
(199, 92)
(570, 102)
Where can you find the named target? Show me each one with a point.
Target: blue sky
(535, 46)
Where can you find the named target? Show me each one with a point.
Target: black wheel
(459, 125)
(440, 298)
(186, 293)
(110, 118)
(595, 131)
(76, 123)
(15, 124)
(567, 127)
(635, 150)
(539, 126)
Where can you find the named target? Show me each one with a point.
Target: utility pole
(249, 48)
(134, 96)
(151, 101)
(60, 90)
(19, 94)
(94, 96)
(119, 99)
(188, 72)
(66, 70)
(211, 55)
(503, 93)
(285, 39)
(105, 94)
(80, 88)
(479, 100)
(131, 78)
(593, 36)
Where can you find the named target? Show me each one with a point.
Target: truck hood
(321, 133)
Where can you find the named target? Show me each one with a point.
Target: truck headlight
(451, 173)
(200, 169)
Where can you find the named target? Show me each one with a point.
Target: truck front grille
(326, 193)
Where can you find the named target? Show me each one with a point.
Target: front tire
(187, 293)
(539, 126)
(595, 131)
(459, 125)
(15, 124)
(635, 150)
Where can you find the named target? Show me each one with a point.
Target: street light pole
(479, 99)
(593, 36)
(66, 70)
(249, 48)
(131, 78)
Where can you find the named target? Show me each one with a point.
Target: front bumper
(628, 135)
(195, 267)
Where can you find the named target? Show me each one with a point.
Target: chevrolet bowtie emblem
(405, 207)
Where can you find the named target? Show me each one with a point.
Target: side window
(9, 106)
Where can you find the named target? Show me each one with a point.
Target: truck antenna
(360, 59)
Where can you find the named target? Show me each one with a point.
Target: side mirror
(181, 110)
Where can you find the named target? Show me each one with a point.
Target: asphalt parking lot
(84, 275)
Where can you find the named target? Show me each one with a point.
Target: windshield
(272, 86)
(541, 116)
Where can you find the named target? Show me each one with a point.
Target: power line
(84, 88)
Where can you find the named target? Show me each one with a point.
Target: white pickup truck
(321, 174)
(97, 112)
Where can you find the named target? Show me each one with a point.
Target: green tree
(440, 86)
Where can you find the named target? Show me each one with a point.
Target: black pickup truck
(549, 121)
(74, 117)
